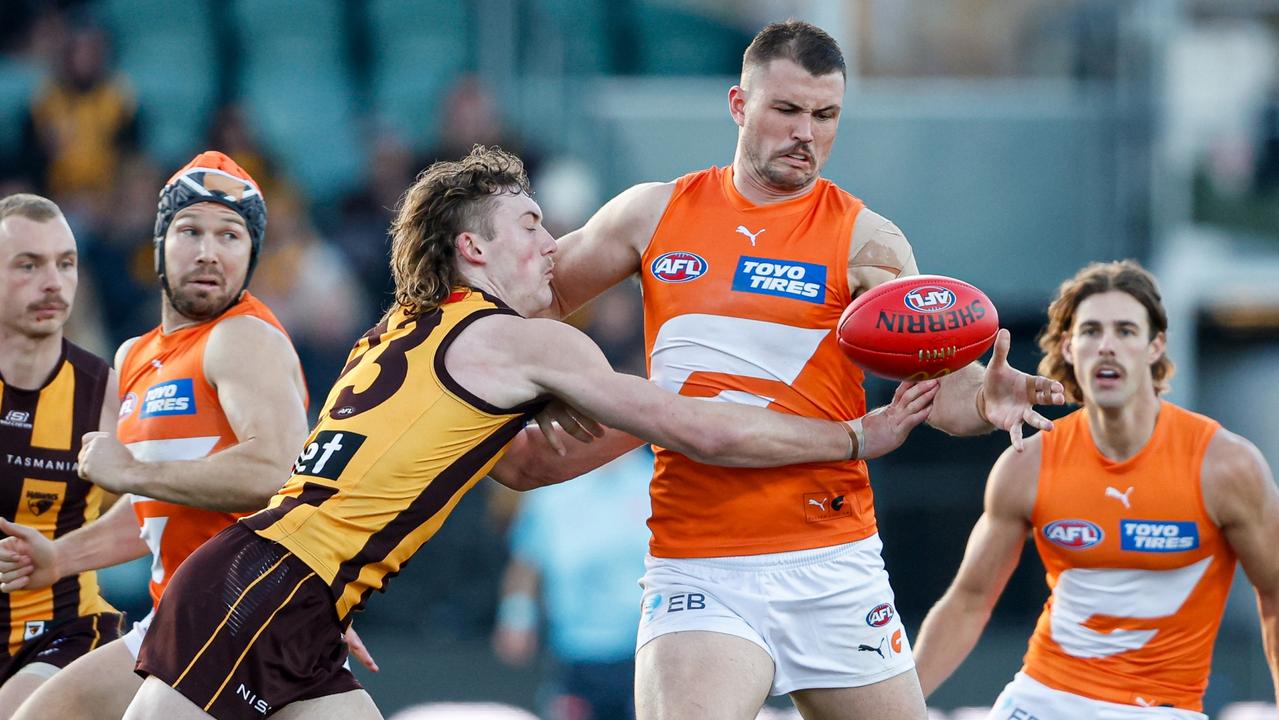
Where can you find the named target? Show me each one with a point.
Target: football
(918, 327)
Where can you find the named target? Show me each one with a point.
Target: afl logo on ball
(678, 267)
(930, 299)
(880, 615)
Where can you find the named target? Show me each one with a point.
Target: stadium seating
(166, 48)
(18, 80)
(296, 83)
(417, 48)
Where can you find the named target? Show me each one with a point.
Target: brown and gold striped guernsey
(40, 431)
(399, 442)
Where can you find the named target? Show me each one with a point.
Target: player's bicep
(607, 249)
(1240, 494)
(878, 252)
(253, 367)
(567, 364)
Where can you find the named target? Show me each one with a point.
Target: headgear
(211, 177)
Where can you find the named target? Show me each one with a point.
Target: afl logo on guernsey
(1073, 534)
(129, 402)
(880, 615)
(930, 299)
(678, 267)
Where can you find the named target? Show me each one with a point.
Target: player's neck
(756, 191)
(171, 320)
(1120, 433)
(26, 362)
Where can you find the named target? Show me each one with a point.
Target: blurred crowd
(323, 269)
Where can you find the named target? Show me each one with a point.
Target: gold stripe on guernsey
(254, 639)
(55, 412)
(39, 503)
(96, 635)
(227, 617)
(91, 600)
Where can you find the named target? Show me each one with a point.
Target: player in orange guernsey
(51, 393)
(213, 411)
(427, 403)
(766, 582)
(1139, 510)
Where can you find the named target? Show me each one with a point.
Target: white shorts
(1028, 699)
(825, 616)
(133, 638)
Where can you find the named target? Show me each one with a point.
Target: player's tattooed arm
(1240, 496)
(878, 252)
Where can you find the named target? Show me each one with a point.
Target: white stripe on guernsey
(691, 343)
(1082, 594)
(174, 449)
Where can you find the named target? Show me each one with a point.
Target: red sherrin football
(918, 327)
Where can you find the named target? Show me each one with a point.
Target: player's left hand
(1007, 395)
(576, 423)
(356, 647)
(106, 462)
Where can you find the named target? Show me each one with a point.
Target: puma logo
(752, 235)
(1120, 496)
(877, 649)
(818, 503)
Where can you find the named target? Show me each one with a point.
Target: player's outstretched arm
(541, 456)
(255, 371)
(1240, 496)
(558, 359)
(31, 561)
(607, 249)
(953, 625)
(977, 399)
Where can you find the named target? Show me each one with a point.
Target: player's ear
(737, 104)
(1157, 346)
(1065, 348)
(469, 249)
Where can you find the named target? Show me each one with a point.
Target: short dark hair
(448, 198)
(1125, 276)
(804, 43)
(29, 206)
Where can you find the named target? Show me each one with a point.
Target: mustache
(804, 149)
(203, 275)
(52, 302)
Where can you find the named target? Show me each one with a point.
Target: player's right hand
(107, 463)
(886, 428)
(27, 559)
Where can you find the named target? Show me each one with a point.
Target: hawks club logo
(40, 502)
(678, 267)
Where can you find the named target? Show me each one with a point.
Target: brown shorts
(64, 642)
(245, 628)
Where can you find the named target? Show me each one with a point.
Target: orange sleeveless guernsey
(169, 411)
(1138, 571)
(740, 305)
